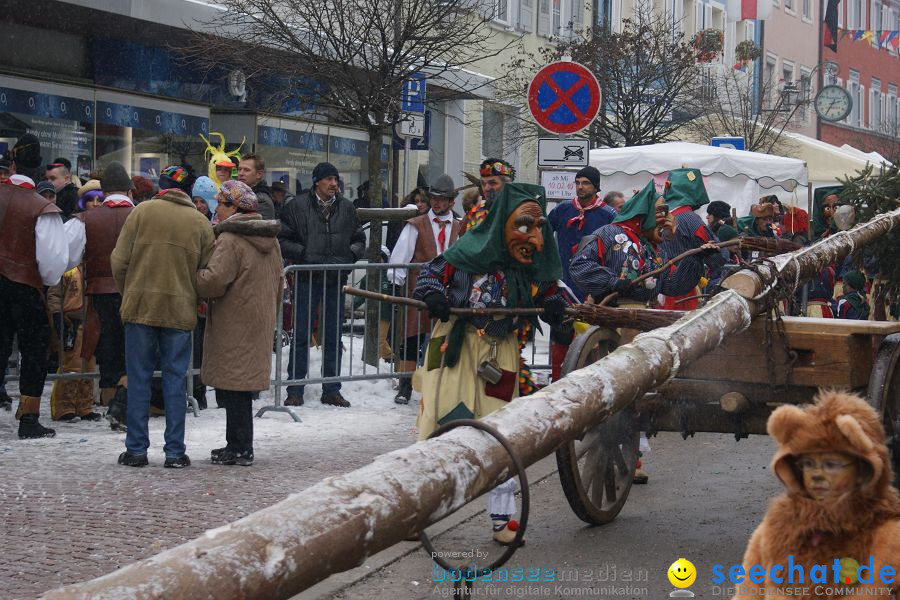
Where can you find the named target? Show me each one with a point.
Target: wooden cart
(729, 391)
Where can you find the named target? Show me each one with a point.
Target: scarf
(579, 218)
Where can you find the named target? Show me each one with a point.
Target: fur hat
(763, 210)
(836, 422)
(115, 178)
(239, 194)
(718, 209)
(592, 174)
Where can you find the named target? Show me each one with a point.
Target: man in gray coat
(319, 227)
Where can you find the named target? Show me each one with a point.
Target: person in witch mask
(472, 363)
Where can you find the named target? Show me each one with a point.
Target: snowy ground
(68, 512)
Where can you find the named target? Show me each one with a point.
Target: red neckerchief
(117, 203)
(597, 203)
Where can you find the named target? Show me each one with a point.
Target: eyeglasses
(830, 467)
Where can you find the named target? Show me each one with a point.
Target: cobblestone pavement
(69, 513)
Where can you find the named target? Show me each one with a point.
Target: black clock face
(833, 103)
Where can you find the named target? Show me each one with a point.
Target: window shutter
(707, 16)
(526, 15)
(544, 17)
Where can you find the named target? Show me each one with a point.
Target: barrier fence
(314, 315)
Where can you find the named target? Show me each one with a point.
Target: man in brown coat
(423, 238)
(163, 243)
(243, 284)
(101, 227)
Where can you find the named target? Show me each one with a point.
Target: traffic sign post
(564, 97)
(413, 99)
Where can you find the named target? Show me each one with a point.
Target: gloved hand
(622, 286)
(554, 311)
(438, 306)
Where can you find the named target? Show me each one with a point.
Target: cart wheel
(596, 471)
(884, 393)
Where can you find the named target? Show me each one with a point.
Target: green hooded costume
(819, 225)
(483, 250)
(642, 204)
(684, 187)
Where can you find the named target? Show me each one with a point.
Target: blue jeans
(142, 343)
(310, 292)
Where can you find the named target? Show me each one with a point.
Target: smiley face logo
(682, 573)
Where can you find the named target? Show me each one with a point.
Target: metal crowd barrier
(325, 282)
(352, 320)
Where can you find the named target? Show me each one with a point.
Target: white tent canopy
(827, 163)
(733, 176)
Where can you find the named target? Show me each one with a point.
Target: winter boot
(230, 457)
(29, 428)
(117, 412)
(405, 394)
(335, 399)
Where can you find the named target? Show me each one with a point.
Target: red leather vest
(19, 211)
(101, 228)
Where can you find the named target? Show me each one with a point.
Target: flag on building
(831, 25)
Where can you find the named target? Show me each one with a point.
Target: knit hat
(45, 186)
(855, 279)
(115, 178)
(175, 177)
(493, 167)
(726, 232)
(239, 194)
(718, 209)
(323, 170)
(684, 187)
(837, 422)
(22, 181)
(642, 204)
(591, 173)
(204, 188)
(443, 187)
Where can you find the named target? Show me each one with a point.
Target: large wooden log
(334, 525)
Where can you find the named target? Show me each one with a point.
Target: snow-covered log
(334, 525)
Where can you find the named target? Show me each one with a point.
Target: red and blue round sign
(564, 97)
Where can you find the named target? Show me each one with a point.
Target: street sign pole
(406, 189)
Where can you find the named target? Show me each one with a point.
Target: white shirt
(75, 231)
(52, 244)
(406, 243)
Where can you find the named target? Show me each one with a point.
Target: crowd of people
(118, 271)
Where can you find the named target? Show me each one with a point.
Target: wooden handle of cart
(634, 318)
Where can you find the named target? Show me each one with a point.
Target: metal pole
(406, 189)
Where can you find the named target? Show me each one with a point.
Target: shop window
(63, 123)
(148, 140)
(291, 154)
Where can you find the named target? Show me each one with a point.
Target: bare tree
(347, 60)
(648, 75)
(748, 104)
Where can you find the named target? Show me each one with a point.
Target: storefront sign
(151, 119)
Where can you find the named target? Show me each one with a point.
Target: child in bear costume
(839, 502)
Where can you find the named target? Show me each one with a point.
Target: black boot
(30, 428)
(405, 393)
(117, 411)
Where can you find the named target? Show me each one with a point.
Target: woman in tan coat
(243, 284)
